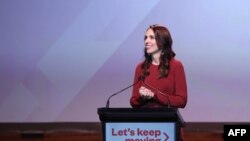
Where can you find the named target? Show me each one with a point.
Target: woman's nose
(146, 40)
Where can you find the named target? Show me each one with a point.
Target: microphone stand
(108, 101)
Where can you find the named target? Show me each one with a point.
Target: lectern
(140, 124)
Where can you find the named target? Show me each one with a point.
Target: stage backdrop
(61, 59)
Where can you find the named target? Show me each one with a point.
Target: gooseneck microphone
(140, 78)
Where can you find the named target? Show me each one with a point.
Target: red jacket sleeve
(136, 100)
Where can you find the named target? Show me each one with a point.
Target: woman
(164, 82)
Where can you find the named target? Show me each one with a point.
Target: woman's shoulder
(139, 65)
(176, 62)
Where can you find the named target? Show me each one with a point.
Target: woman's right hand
(146, 93)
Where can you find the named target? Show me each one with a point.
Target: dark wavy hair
(164, 42)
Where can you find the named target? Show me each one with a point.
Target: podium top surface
(138, 114)
(136, 110)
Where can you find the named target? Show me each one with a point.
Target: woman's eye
(150, 37)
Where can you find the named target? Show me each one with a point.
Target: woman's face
(150, 42)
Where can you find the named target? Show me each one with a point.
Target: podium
(140, 124)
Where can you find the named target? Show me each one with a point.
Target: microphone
(140, 78)
(168, 102)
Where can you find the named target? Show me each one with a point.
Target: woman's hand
(146, 93)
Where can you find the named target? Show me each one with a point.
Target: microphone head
(141, 78)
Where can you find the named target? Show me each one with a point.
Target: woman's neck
(156, 58)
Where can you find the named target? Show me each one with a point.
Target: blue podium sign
(145, 131)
